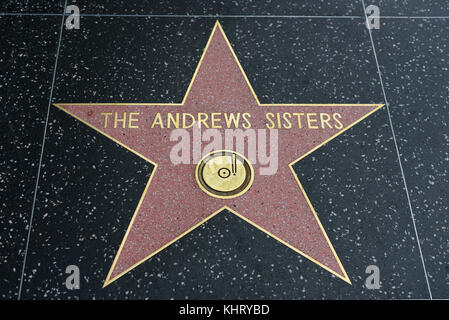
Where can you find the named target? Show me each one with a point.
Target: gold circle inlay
(224, 174)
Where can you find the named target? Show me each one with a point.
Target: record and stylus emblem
(224, 174)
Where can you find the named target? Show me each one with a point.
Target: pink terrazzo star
(173, 204)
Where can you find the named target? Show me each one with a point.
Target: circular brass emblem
(224, 174)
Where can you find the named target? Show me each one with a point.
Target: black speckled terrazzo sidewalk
(380, 189)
